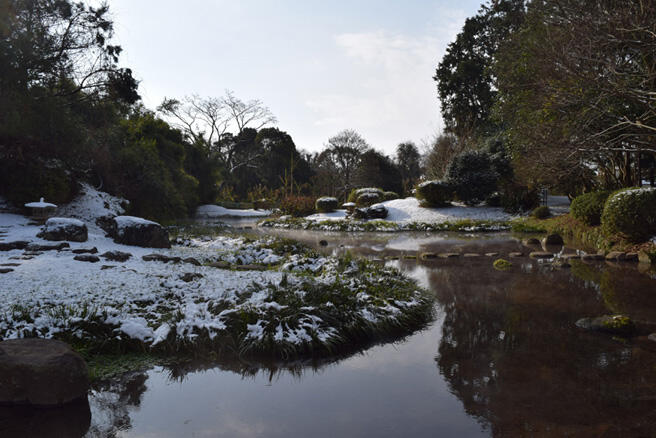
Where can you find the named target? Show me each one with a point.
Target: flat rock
(160, 258)
(8, 246)
(104, 267)
(41, 372)
(10, 264)
(471, 255)
(632, 257)
(428, 255)
(93, 250)
(491, 254)
(220, 264)
(87, 258)
(116, 256)
(540, 255)
(191, 261)
(410, 257)
(616, 256)
(515, 254)
(6, 270)
(571, 256)
(35, 247)
(613, 324)
(449, 255)
(250, 268)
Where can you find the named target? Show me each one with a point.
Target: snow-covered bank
(216, 211)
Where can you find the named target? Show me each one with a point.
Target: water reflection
(504, 358)
(72, 420)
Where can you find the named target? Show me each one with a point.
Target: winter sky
(320, 66)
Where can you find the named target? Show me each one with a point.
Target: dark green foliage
(630, 213)
(517, 198)
(472, 176)
(389, 196)
(588, 207)
(541, 212)
(373, 196)
(326, 204)
(408, 160)
(434, 193)
(378, 170)
(147, 169)
(297, 206)
(31, 180)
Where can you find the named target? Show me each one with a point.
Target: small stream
(502, 358)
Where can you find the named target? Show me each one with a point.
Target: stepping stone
(410, 257)
(617, 256)
(592, 257)
(250, 268)
(571, 256)
(491, 254)
(220, 264)
(8, 246)
(449, 255)
(104, 267)
(428, 256)
(87, 258)
(191, 261)
(41, 372)
(540, 255)
(392, 258)
(515, 254)
(116, 256)
(10, 264)
(93, 250)
(471, 255)
(6, 270)
(56, 247)
(160, 258)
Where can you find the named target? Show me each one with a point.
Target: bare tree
(209, 120)
(346, 149)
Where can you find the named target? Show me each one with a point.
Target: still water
(502, 358)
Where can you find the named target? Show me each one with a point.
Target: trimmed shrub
(297, 206)
(389, 196)
(541, 212)
(631, 213)
(355, 193)
(472, 176)
(326, 204)
(368, 198)
(434, 193)
(588, 207)
(516, 198)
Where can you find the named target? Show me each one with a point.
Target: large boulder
(136, 231)
(377, 211)
(64, 228)
(41, 372)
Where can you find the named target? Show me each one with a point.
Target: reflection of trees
(112, 402)
(511, 353)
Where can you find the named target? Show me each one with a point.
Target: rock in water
(136, 231)
(64, 228)
(553, 239)
(41, 372)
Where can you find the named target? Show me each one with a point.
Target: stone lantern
(40, 211)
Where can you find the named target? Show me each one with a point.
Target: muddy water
(503, 358)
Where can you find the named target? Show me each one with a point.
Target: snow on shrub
(326, 204)
(588, 207)
(373, 196)
(631, 213)
(390, 196)
(434, 193)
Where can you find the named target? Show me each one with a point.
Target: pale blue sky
(320, 66)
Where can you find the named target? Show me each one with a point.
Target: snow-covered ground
(47, 293)
(216, 211)
(408, 210)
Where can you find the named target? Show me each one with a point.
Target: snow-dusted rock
(136, 231)
(63, 228)
(41, 372)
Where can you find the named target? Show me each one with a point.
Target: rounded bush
(541, 212)
(434, 193)
(355, 193)
(326, 204)
(588, 207)
(368, 198)
(630, 213)
(388, 196)
(297, 205)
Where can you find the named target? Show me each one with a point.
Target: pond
(502, 358)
